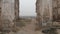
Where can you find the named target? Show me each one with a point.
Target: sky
(27, 8)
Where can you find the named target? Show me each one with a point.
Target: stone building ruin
(9, 11)
(44, 12)
(47, 12)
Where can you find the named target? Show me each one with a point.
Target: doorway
(27, 8)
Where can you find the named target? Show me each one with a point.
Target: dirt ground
(30, 29)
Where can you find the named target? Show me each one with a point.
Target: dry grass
(15, 29)
(37, 27)
(20, 23)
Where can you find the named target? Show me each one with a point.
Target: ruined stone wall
(7, 14)
(16, 9)
(0, 8)
(38, 8)
(56, 10)
(0, 13)
(9, 11)
(44, 12)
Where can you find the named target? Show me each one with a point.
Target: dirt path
(29, 29)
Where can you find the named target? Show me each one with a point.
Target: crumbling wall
(38, 9)
(44, 12)
(0, 7)
(0, 13)
(7, 15)
(56, 10)
(9, 11)
(16, 9)
(58, 7)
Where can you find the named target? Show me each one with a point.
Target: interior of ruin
(48, 12)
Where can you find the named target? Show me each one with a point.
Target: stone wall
(16, 9)
(44, 12)
(7, 14)
(38, 8)
(56, 10)
(9, 11)
(0, 7)
(0, 14)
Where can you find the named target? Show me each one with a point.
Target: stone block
(54, 3)
(59, 11)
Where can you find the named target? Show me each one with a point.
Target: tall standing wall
(44, 12)
(16, 9)
(7, 15)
